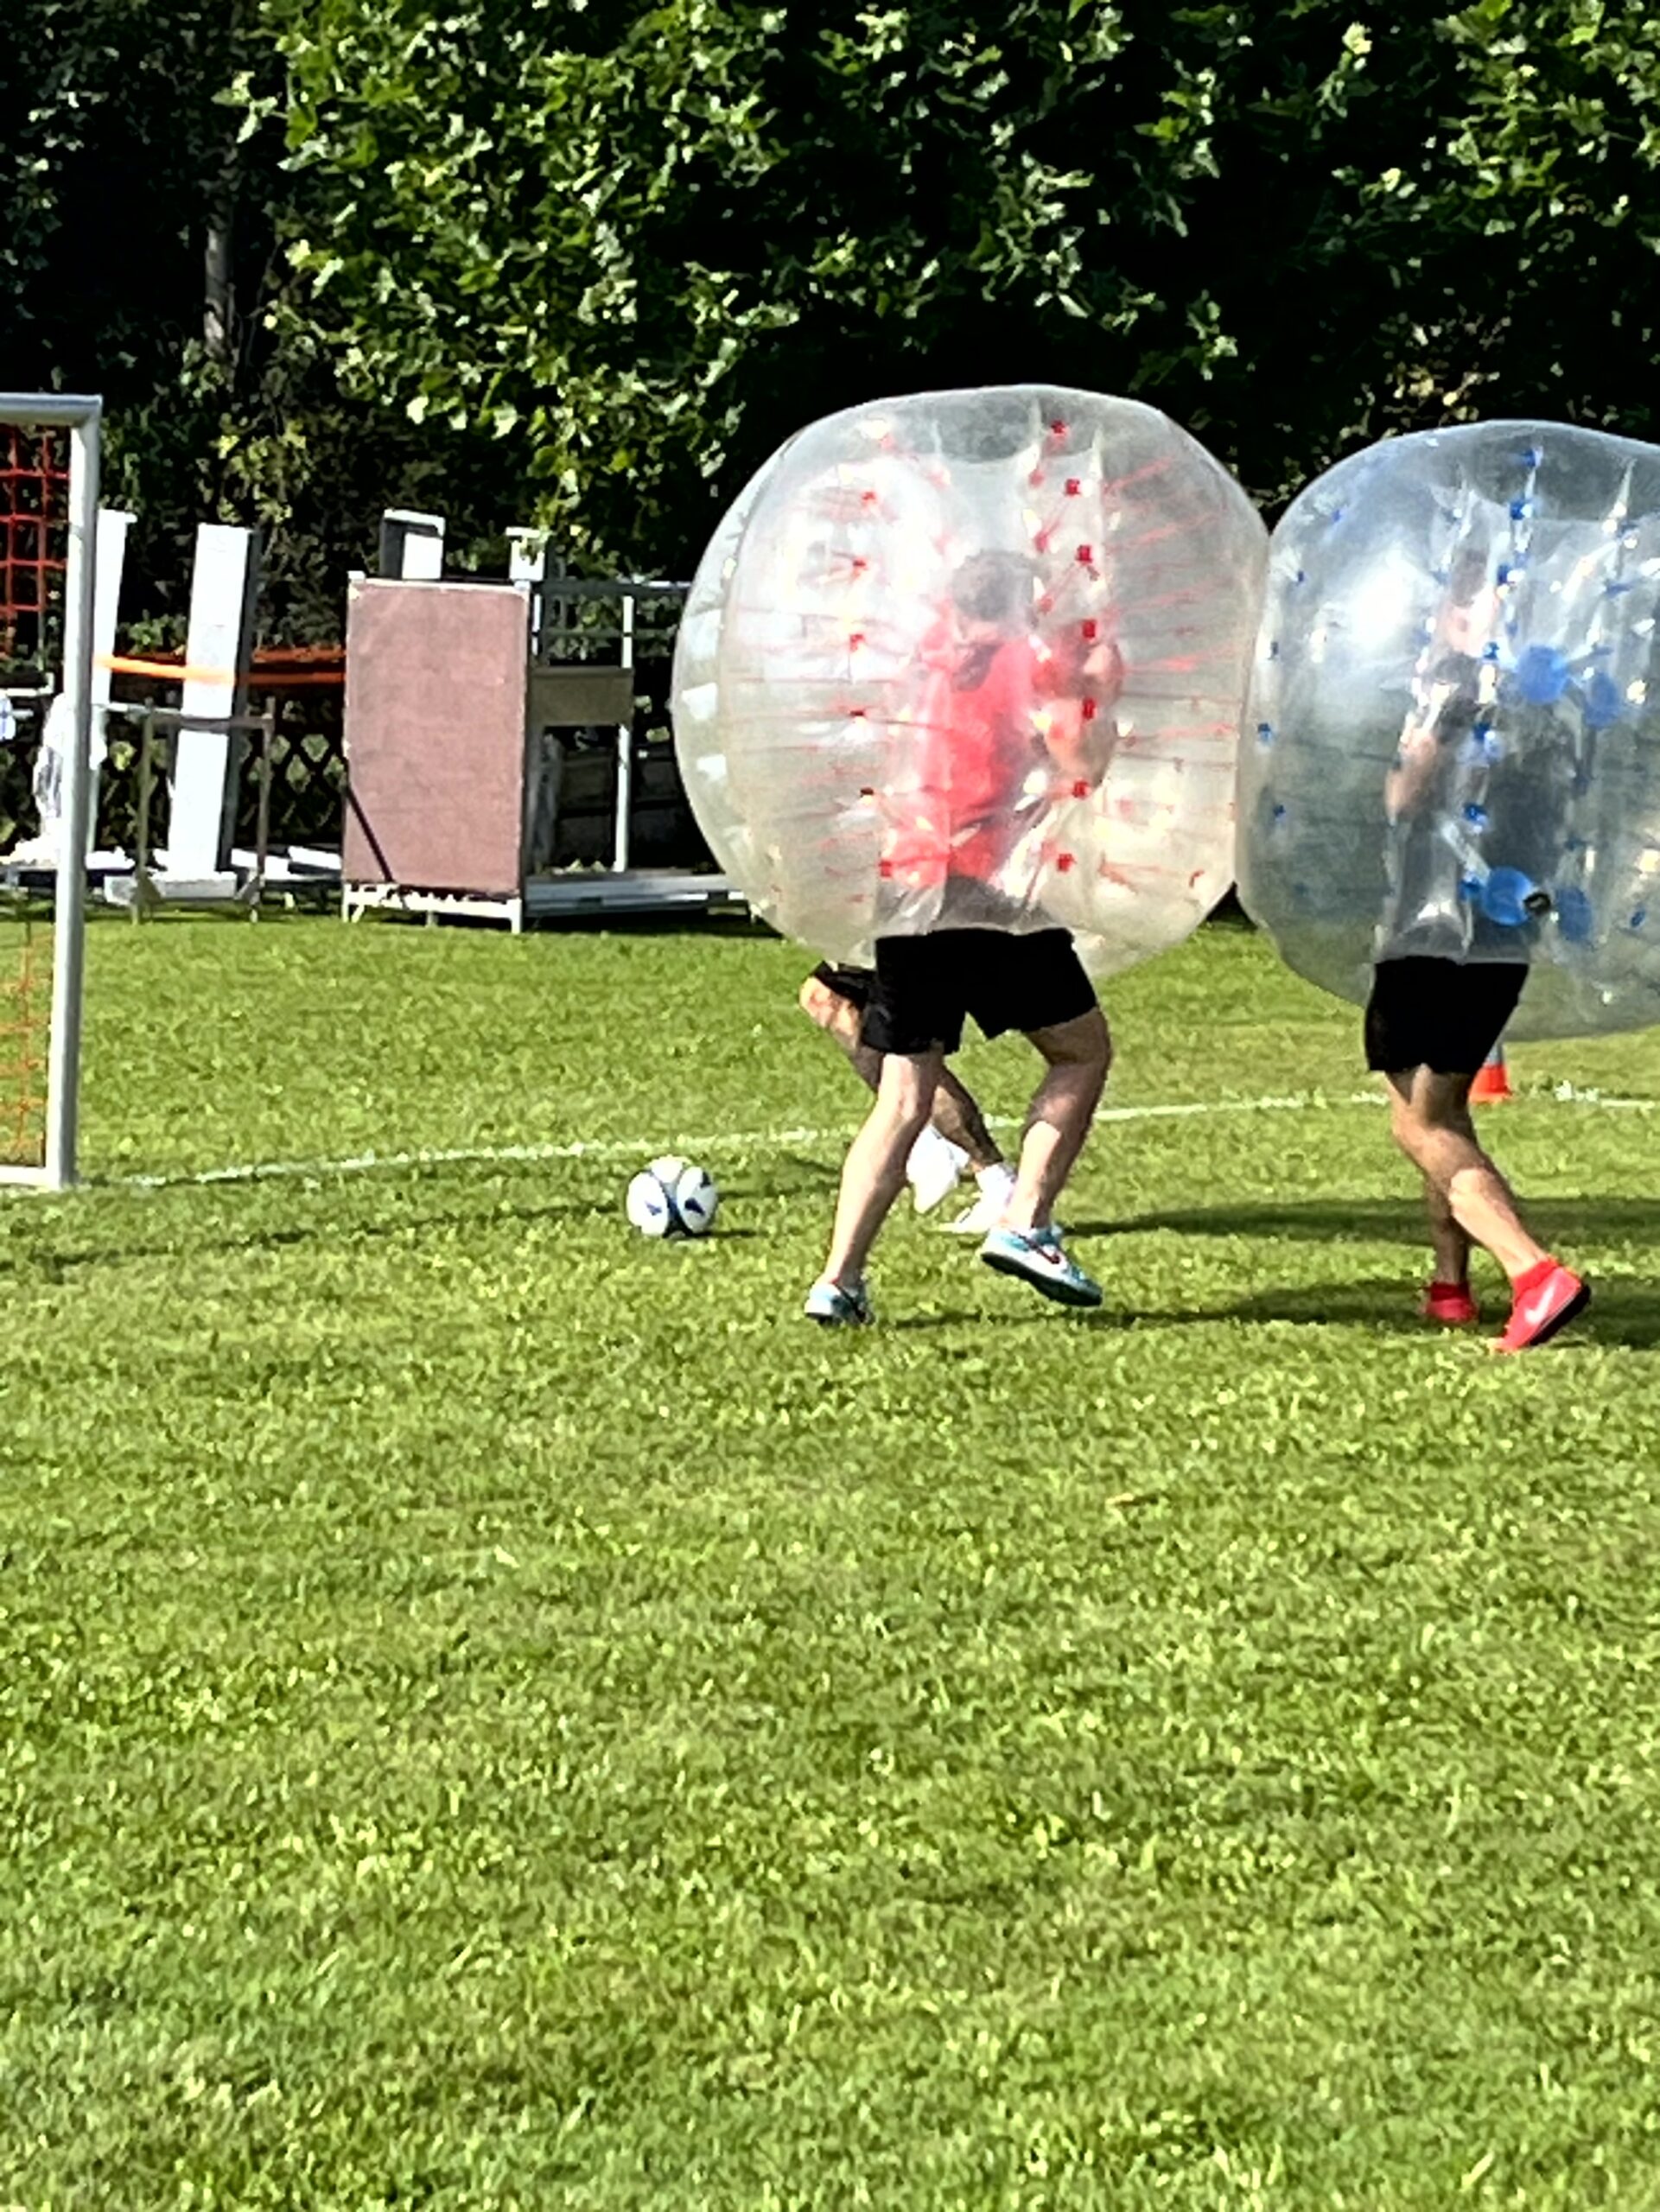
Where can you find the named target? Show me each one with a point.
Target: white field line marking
(623, 1149)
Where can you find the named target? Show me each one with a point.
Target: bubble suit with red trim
(974, 658)
(1452, 748)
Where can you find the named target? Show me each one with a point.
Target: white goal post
(81, 417)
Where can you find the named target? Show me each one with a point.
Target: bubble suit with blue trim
(974, 658)
(1452, 747)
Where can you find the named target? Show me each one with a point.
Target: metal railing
(613, 621)
(569, 620)
(158, 732)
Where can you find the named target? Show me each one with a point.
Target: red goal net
(34, 544)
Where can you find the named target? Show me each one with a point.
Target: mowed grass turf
(497, 1713)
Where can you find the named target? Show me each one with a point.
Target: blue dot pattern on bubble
(1504, 897)
(1575, 916)
(1602, 701)
(1540, 675)
(1465, 697)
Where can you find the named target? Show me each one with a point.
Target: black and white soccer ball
(672, 1198)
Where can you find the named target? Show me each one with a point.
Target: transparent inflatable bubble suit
(974, 658)
(1453, 743)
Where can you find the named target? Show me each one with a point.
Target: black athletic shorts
(926, 985)
(853, 984)
(1443, 1015)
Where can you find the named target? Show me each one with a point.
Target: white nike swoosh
(1536, 1313)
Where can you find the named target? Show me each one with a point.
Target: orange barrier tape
(173, 671)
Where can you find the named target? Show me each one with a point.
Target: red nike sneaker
(1544, 1308)
(1452, 1304)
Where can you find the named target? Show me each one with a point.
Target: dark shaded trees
(599, 259)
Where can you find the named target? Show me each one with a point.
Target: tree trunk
(218, 303)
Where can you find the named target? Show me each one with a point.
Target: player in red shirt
(1007, 725)
(1006, 728)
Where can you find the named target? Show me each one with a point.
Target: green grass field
(498, 1713)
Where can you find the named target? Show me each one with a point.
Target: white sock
(933, 1147)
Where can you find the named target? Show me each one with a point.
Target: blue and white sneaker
(839, 1306)
(1038, 1257)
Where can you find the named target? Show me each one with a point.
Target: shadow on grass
(698, 923)
(1621, 1312)
(1047, 1316)
(1570, 1223)
(1365, 1305)
(217, 1238)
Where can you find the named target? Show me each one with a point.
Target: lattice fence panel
(308, 757)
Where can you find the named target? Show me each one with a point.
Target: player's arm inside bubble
(1080, 731)
(1417, 756)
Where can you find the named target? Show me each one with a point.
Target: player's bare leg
(956, 1114)
(1448, 1297)
(1078, 1054)
(873, 1174)
(1025, 1243)
(1430, 1121)
(1450, 1244)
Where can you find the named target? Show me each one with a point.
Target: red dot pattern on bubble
(1068, 647)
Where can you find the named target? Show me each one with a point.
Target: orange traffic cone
(1492, 1080)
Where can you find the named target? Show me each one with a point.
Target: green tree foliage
(642, 242)
(598, 258)
(123, 175)
(1522, 216)
(127, 153)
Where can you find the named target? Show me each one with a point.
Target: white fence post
(223, 588)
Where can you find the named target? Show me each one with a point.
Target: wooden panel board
(569, 698)
(434, 736)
